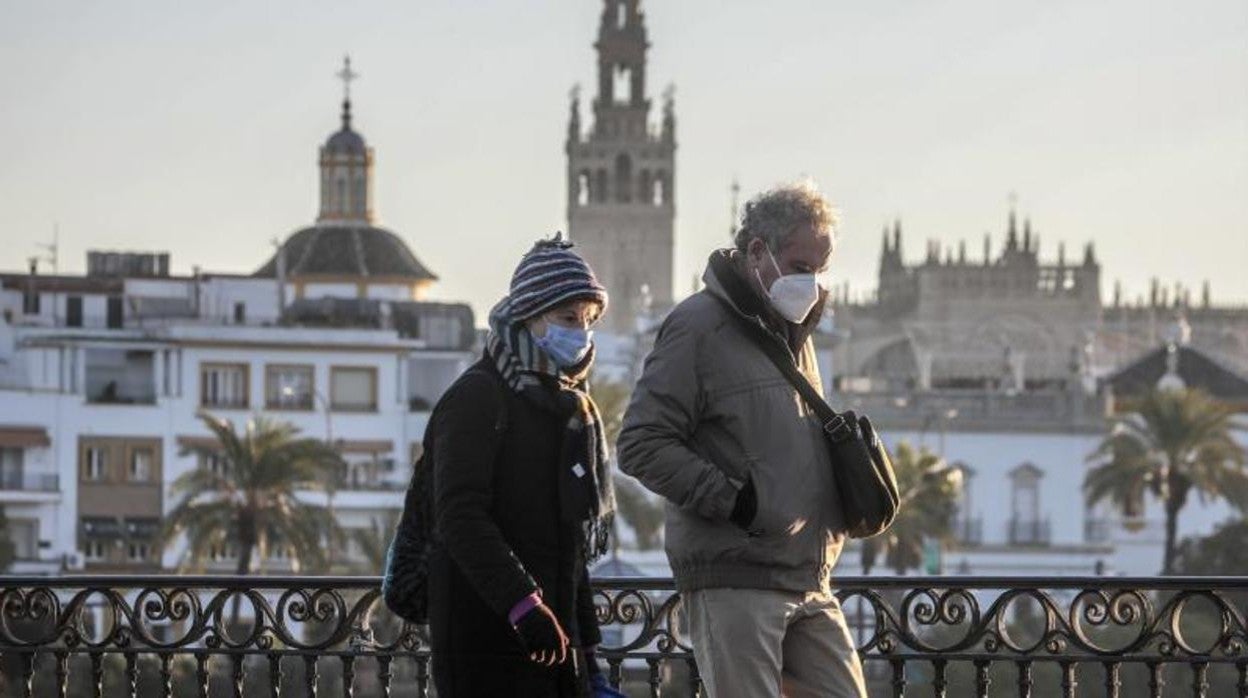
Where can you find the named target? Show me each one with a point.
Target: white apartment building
(102, 375)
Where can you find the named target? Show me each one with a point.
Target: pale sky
(194, 129)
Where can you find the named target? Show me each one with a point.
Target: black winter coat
(499, 538)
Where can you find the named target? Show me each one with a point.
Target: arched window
(341, 204)
(1027, 527)
(582, 188)
(643, 184)
(623, 178)
(621, 14)
(622, 90)
(658, 189)
(600, 187)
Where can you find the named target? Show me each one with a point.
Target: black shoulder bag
(863, 471)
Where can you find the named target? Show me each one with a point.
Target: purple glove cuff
(525, 605)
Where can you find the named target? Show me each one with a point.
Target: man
(753, 523)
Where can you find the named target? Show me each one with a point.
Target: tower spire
(346, 75)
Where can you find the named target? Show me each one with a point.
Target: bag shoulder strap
(834, 423)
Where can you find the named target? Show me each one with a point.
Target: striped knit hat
(551, 274)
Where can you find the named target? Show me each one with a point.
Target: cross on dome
(346, 75)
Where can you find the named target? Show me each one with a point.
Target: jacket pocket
(775, 515)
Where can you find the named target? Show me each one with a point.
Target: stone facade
(1009, 322)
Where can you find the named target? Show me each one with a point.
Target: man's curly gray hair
(776, 214)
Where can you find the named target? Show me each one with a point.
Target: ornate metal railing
(947, 636)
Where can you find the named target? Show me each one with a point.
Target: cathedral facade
(1008, 320)
(621, 173)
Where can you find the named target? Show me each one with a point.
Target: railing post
(62, 673)
(97, 673)
(939, 684)
(1156, 678)
(1112, 681)
(309, 674)
(899, 676)
(1069, 682)
(275, 674)
(237, 667)
(1200, 683)
(1024, 679)
(383, 674)
(981, 678)
(348, 675)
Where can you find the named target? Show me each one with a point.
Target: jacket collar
(725, 278)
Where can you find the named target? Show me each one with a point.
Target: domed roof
(346, 141)
(348, 249)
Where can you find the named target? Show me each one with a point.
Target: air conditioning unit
(74, 561)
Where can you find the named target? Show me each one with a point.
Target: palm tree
(1174, 442)
(929, 499)
(251, 501)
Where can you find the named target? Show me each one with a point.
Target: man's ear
(754, 249)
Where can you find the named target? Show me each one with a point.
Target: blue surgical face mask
(566, 345)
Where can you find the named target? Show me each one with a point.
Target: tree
(929, 499)
(1176, 441)
(1221, 553)
(250, 501)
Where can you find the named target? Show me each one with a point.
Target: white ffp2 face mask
(792, 295)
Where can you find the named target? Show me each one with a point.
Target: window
(1026, 525)
(115, 312)
(622, 87)
(353, 388)
(93, 551)
(223, 385)
(73, 311)
(215, 463)
(25, 536)
(141, 465)
(94, 463)
(623, 178)
(120, 376)
(240, 313)
(30, 302)
(288, 387)
(139, 552)
(1025, 497)
(11, 468)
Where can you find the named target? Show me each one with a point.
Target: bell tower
(621, 173)
(346, 164)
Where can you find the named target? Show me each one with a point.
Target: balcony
(1028, 532)
(120, 377)
(943, 636)
(22, 481)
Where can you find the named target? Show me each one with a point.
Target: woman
(522, 494)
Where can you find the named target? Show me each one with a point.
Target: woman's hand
(542, 636)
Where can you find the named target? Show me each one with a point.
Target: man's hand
(744, 511)
(543, 637)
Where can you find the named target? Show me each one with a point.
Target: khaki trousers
(756, 643)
